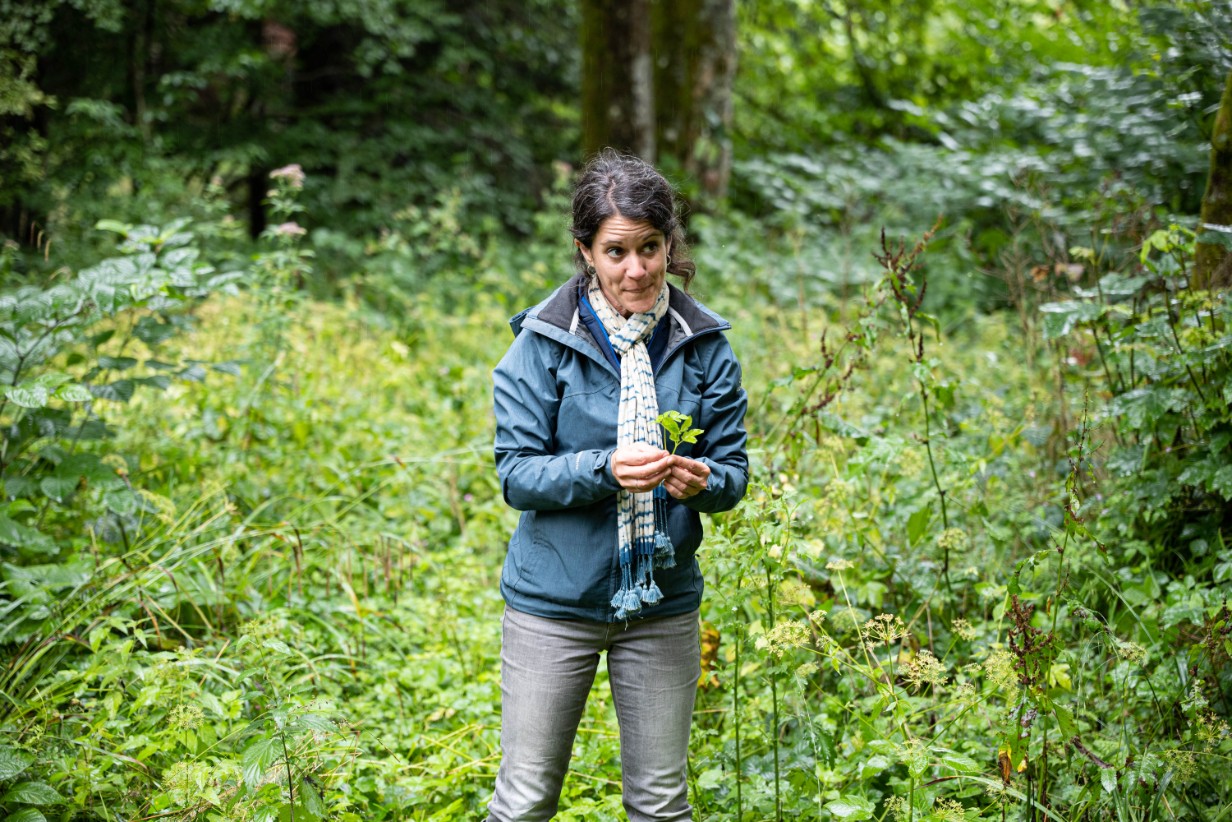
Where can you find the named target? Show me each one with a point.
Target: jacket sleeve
(723, 446)
(526, 401)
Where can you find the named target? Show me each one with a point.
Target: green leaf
(88, 466)
(119, 391)
(316, 722)
(13, 762)
(917, 524)
(257, 758)
(678, 427)
(58, 488)
(117, 363)
(960, 762)
(27, 395)
(32, 793)
(22, 536)
(850, 807)
(314, 806)
(277, 645)
(27, 815)
(73, 392)
(1060, 318)
(114, 226)
(1066, 720)
(152, 332)
(121, 501)
(1108, 779)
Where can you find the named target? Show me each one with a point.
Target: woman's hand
(639, 467)
(687, 478)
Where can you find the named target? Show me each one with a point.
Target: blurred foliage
(387, 104)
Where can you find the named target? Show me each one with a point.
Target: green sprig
(679, 428)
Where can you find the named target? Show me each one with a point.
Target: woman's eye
(614, 252)
(650, 248)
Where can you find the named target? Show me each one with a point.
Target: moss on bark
(1213, 263)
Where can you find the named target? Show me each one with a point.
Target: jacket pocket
(568, 557)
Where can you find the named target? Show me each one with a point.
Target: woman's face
(630, 260)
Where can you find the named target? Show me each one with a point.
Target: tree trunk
(695, 63)
(617, 77)
(1213, 261)
(657, 80)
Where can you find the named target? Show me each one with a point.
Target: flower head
(789, 634)
(953, 539)
(293, 174)
(999, 668)
(884, 629)
(925, 669)
(962, 629)
(186, 717)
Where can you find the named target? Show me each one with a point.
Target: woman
(603, 556)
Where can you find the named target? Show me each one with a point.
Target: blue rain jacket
(556, 398)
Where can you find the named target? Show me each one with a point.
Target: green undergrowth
(980, 572)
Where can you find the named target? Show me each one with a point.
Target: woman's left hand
(687, 479)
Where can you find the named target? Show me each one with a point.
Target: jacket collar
(558, 317)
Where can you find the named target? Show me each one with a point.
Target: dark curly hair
(614, 184)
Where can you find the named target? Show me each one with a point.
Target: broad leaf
(28, 396)
(27, 815)
(33, 793)
(24, 537)
(257, 758)
(12, 762)
(850, 807)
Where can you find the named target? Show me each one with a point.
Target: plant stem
(932, 467)
(736, 714)
(286, 758)
(774, 701)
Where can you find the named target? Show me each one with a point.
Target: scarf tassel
(626, 600)
(664, 551)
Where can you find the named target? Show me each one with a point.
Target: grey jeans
(547, 669)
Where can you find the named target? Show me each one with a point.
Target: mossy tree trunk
(1213, 263)
(617, 77)
(656, 81)
(695, 63)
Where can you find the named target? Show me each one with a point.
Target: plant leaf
(257, 758)
(33, 793)
(12, 762)
(850, 807)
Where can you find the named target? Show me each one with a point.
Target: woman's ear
(585, 252)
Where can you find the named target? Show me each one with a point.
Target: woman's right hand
(639, 467)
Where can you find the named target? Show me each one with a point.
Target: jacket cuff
(603, 468)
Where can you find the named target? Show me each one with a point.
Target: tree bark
(1213, 261)
(617, 77)
(695, 64)
(657, 81)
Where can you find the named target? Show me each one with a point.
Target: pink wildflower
(293, 174)
(291, 229)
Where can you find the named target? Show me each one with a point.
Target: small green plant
(679, 428)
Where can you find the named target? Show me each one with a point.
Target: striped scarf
(641, 519)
